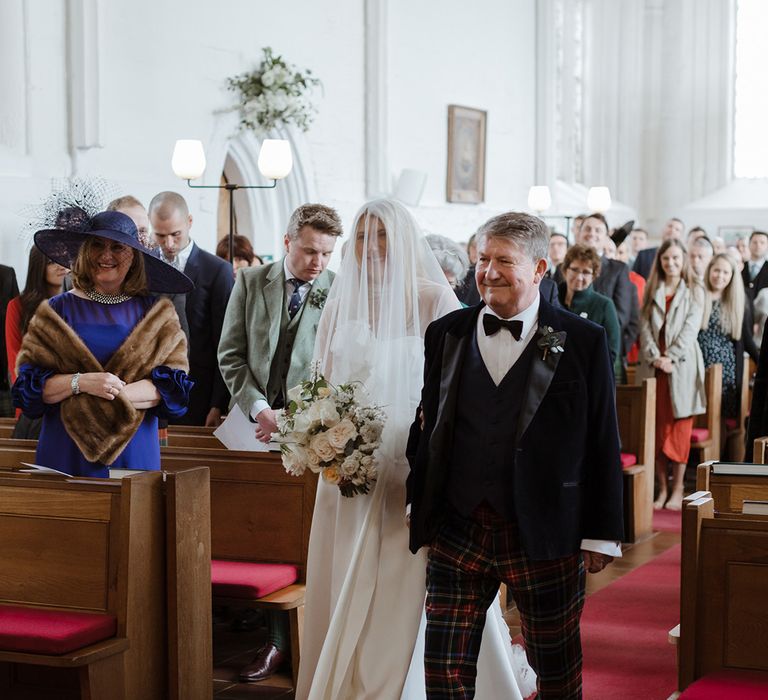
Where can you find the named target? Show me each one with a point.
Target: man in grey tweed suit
(267, 344)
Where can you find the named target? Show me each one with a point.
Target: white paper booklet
(238, 433)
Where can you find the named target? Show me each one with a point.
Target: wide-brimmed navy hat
(62, 245)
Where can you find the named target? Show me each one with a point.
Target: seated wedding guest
(613, 281)
(576, 225)
(638, 240)
(204, 305)
(718, 243)
(721, 331)
(9, 289)
(742, 246)
(755, 272)
(734, 252)
(580, 267)
(453, 261)
(620, 237)
(674, 228)
(700, 252)
(558, 244)
(243, 252)
(99, 363)
(45, 279)
(669, 324)
(467, 290)
(134, 209)
(693, 234)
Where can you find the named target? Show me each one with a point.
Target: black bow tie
(493, 324)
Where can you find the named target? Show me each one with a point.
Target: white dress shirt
(180, 261)
(499, 352)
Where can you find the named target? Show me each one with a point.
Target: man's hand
(266, 425)
(594, 562)
(213, 419)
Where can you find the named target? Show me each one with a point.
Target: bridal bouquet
(328, 430)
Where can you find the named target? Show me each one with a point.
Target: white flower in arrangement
(322, 447)
(341, 433)
(350, 466)
(324, 392)
(274, 94)
(325, 412)
(371, 432)
(294, 394)
(302, 421)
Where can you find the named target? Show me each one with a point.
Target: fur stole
(101, 428)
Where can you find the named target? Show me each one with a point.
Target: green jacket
(255, 317)
(599, 309)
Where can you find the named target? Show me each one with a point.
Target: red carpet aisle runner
(667, 521)
(624, 633)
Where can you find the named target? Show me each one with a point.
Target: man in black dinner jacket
(515, 469)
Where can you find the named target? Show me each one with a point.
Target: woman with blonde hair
(671, 318)
(720, 337)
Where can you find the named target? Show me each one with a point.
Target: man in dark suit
(9, 289)
(755, 272)
(515, 470)
(205, 304)
(613, 280)
(674, 228)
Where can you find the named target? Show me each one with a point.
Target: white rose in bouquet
(313, 460)
(302, 421)
(322, 448)
(294, 461)
(325, 412)
(341, 433)
(371, 432)
(350, 466)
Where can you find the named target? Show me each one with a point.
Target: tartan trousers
(466, 563)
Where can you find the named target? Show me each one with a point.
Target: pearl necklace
(93, 295)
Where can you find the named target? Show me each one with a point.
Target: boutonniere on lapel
(317, 298)
(550, 341)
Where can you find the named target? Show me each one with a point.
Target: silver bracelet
(75, 384)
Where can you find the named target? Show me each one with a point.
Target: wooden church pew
(723, 615)
(730, 490)
(734, 430)
(636, 411)
(707, 427)
(85, 547)
(259, 515)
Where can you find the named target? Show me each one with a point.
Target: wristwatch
(75, 384)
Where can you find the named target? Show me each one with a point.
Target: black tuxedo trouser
(466, 563)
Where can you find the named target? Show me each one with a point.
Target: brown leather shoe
(266, 662)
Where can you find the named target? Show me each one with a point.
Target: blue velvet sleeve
(27, 390)
(174, 386)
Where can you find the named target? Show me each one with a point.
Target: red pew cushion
(745, 685)
(628, 460)
(699, 435)
(245, 579)
(36, 631)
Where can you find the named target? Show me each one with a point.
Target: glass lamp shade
(275, 159)
(539, 198)
(599, 199)
(188, 161)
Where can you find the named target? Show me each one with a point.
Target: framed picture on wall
(465, 180)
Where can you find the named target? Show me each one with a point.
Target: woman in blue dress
(102, 361)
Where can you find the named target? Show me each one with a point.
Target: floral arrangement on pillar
(276, 93)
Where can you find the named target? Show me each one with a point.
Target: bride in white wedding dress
(363, 626)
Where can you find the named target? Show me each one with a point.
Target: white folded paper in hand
(238, 433)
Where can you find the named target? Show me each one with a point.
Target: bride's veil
(389, 288)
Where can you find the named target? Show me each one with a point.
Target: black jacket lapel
(542, 368)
